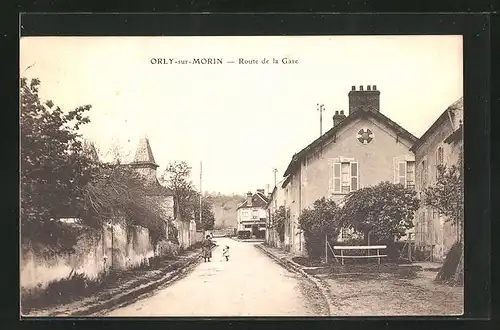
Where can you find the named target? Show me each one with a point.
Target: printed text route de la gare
(211, 60)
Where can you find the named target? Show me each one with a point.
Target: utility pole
(321, 108)
(275, 170)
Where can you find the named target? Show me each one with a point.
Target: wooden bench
(364, 247)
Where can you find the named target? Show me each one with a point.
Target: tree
(318, 221)
(447, 197)
(53, 167)
(119, 190)
(207, 214)
(280, 217)
(177, 178)
(382, 213)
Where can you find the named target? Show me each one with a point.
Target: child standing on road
(225, 253)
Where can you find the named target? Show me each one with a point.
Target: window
(255, 214)
(248, 226)
(405, 174)
(345, 177)
(439, 156)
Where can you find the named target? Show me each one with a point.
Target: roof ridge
(348, 119)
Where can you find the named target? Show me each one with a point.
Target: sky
(240, 120)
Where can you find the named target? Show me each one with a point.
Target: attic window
(365, 136)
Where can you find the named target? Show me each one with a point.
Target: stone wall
(118, 246)
(187, 233)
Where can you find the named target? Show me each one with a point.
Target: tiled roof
(456, 106)
(258, 200)
(144, 154)
(357, 114)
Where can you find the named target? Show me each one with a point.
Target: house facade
(276, 200)
(441, 144)
(252, 214)
(361, 149)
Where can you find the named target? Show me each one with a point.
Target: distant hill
(224, 207)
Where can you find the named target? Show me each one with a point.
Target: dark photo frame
(475, 29)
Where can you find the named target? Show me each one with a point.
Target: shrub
(167, 250)
(382, 212)
(279, 218)
(316, 222)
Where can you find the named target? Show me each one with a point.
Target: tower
(144, 162)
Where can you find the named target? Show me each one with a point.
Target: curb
(122, 299)
(293, 266)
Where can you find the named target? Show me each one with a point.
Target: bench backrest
(361, 247)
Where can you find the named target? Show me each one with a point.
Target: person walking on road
(207, 248)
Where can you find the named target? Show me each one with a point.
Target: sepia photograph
(241, 176)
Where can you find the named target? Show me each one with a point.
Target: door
(255, 230)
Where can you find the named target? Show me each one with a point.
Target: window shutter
(337, 175)
(354, 176)
(402, 173)
(395, 166)
(330, 176)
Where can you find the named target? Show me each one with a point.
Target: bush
(279, 218)
(243, 234)
(383, 212)
(317, 222)
(167, 249)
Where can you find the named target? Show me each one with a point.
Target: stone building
(441, 144)
(275, 200)
(252, 214)
(362, 148)
(145, 164)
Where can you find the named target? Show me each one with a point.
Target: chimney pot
(364, 101)
(336, 112)
(249, 198)
(353, 88)
(341, 112)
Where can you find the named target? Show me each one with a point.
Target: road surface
(250, 284)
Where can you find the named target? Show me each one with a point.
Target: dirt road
(250, 284)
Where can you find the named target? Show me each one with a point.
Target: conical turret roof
(144, 155)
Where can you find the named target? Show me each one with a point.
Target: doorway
(255, 230)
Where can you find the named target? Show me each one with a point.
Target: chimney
(249, 198)
(366, 100)
(260, 191)
(338, 117)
